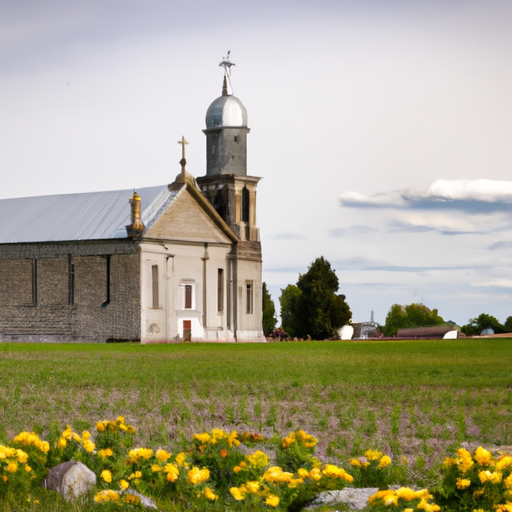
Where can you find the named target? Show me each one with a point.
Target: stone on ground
(70, 479)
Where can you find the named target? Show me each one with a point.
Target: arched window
(245, 204)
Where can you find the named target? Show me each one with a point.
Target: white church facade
(176, 262)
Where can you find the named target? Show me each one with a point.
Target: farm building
(178, 261)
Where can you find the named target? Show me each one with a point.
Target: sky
(381, 128)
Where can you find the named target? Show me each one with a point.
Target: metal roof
(87, 216)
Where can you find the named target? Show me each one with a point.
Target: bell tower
(232, 192)
(226, 184)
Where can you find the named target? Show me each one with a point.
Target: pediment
(186, 220)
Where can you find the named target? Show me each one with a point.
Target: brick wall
(52, 318)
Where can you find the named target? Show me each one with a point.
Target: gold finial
(136, 226)
(183, 160)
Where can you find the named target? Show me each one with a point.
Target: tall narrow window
(245, 204)
(71, 282)
(107, 288)
(34, 281)
(249, 300)
(220, 290)
(188, 296)
(154, 286)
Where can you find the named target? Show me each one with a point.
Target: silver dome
(226, 111)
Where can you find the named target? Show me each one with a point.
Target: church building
(162, 264)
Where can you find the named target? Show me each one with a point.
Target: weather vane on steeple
(226, 64)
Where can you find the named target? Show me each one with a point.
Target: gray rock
(356, 499)
(70, 479)
(147, 502)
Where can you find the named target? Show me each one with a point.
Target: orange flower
(223, 453)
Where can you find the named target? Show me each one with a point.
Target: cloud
(500, 245)
(365, 264)
(474, 196)
(352, 231)
(499, 282)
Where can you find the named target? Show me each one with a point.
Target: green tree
(289, 301)
(269, 311)
(508, 324)
(475, 326)
(321, 311)
(413, 315)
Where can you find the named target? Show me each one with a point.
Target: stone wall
(70, 309)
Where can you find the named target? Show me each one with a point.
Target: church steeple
(226, 184)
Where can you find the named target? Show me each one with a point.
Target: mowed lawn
(420, 399)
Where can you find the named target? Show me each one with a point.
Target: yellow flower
(462, 483)
(106, 475)
(488, 476)
(315, 474)
(28, 469)
(106, 495)
(172, 472)
(258, 459)
(483, 456)
(62, 442)
(407, 493)
(355, 462)
(252, 487)
(373, 454)
(107, 452)
(466, 462)
(295, 482)
(236, 493)
(75, 437)
(232, 439)
(202, 438)
(89, 446)
(508, 482)
(137, 474)
(12, 467)
(288, 441)
(124, 484)
(86, 435)
(162, 455)
(198, 476)
(100, 426)
(384, 461)
(21, 456)
(210, 495)
(504, 462)
(275, 474)
(139, 453)
(180, 459)
(272, 500)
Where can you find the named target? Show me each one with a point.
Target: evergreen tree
(269, 311)
(321, 312)
(289, 301)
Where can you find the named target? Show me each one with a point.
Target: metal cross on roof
(183, 143)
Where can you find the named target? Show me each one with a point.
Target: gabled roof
(88, 216)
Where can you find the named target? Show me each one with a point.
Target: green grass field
(420, 399)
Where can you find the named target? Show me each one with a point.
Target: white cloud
(441, 194)
(499, 282)
(483, 190)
